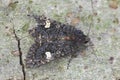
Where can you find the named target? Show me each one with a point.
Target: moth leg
(71, 58)
(69, 61)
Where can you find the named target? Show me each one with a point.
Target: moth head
(81, 38)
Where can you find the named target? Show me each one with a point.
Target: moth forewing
(49, 39)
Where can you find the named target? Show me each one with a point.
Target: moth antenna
(92, 24)
(89, 29)
(92, 20)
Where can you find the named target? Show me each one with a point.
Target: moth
(53, 40)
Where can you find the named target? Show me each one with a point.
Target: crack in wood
(20, 54)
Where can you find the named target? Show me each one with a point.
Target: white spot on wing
(48, 55)
(47, 24)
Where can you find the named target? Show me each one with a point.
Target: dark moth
(53, 40)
